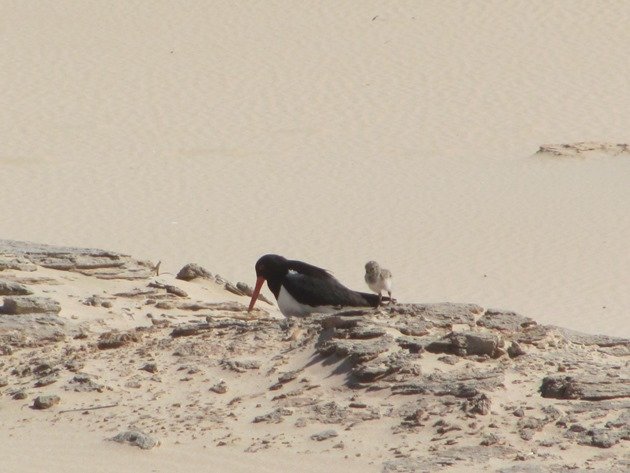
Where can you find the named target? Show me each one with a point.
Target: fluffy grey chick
(378, 280)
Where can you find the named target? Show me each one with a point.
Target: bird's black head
(272, 267)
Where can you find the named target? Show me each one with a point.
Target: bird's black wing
(316, 291)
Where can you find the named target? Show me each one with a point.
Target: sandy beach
(334, 133)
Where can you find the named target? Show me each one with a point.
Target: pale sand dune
(336, 134)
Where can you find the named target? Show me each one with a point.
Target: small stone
(220, 388)
(519, 412)
(19, 395)
(192, 271)
(175, 291)
(115, 339)
(479, 404)
(449, 359)
(136, 438)
(150, 367)
(490, 439)
(83, 382)
(233, 289)
(3, 381)
(46, 380)
(165, 305)
(324, 435)
(274, 417)
(515, 350)
(45, 402)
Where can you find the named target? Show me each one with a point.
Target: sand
(338, 133)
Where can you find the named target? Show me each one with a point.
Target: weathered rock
(192, 271)
(150, 367)
(324, 435)
(187, 330)
(442, 315)
(9, 288)
(580, 338)
(233, 289)
(582, 387)
(75, 365)
(97, 301)
(46, 380)
(220, 388)
(515, 350)
(584, 149)
(137, 439)
(472, 456)
(474, 343)
(419, 344)
(415, 328)
(45, 402)
(83, 382)
(361, 332)
(533, 334)
(248, 291)
(479, 404)
(88, 261)
(358, 350)
(240, 366)
(218, 306)
(116, 339)
(504, 321)
(466, 384)
(274, 417)
(29, 305)
(169, 288)
(3, 381)
(19, 395)
(16, 264)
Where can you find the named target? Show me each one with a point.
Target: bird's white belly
(292, 308)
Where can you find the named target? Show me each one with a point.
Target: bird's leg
(391, 301)
(380, 298)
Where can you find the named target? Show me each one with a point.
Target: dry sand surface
(335, 133)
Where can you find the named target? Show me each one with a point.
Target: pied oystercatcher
(301, 288)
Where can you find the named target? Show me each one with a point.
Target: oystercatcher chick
(378, 279)
(301, 288)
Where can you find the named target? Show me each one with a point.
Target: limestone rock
(192, 271)
(584, 149)
(115, 339)
(582, 387)
(324, 435)
(504, 321)
(136, 438)
(9, 288)
(45, 402)
(30, 305)
(88, 261)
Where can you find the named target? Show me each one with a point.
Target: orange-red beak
(259, 282)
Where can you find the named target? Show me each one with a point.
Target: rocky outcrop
(585, 387)
(584, 149)
(30, 305)
(91, 262)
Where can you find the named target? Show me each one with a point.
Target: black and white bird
(378, 279)
(301, 288)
